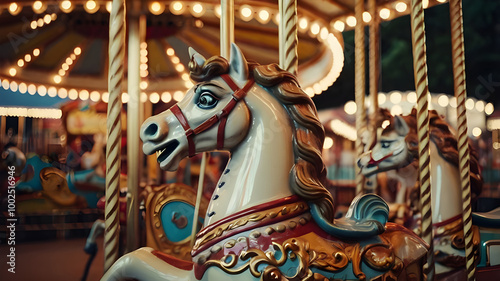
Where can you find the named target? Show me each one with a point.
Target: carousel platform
(52, 260)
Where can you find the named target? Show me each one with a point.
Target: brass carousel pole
(421, 88)
(457, 51)
(113, 145)
(135, 37)
(359, 86)
(288, 57)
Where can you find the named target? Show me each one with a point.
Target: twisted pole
(288, 57)
(421, 88)
(113, 146)
(359, 86)
(457, 51)
(374, 64)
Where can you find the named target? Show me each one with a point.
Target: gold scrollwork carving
(292, 249)
(256, 217)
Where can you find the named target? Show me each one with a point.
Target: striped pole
(457, 51)
(421, 84)
(374, 64)
(359, 86)
(113, 146)
(288, 57)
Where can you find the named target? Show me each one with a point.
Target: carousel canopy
(60, 48)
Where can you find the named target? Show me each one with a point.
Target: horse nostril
(151, 130)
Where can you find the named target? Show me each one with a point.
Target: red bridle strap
(238, 95)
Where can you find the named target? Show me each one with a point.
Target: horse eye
(207, 101)
(385, 144)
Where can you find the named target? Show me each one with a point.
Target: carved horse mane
(308, 175)
(442, 135)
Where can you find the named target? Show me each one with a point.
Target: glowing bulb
(217, 10)
(469, 104)
(170, 52)
(178, 95)
(246, 12)
(351, 21)
(385, 13)
(367, 17)
(23, 88)
(396, 110)
(489, 108)
(179, 67)
(411, 97)
(350, 107)
(66, 6)
(175, 60)
(303, 23)
(166, 97)
(31, 89)
(264, 16)
(40, 22)
(95, 96)
(33, 25)
(73, 94)
(13, 86)
(480, 105)
(57, 79)
(20, 62)
(328, 143)
(42, 91)
(47, 18)
(12, 71)
(62, 93)
(453, 102)
(323, 33)
(91, 6)
(36, 52)
(61, 72)
(52, 92)
(105, 97)
(339, 25)
(197, 10)
(65, 66)
(143, 85)
(109, 6)
(156, 8)
(177, 8)
(77, 51)
(395, 97)
(315, 28)
(154, 98)
(401, 7)
(443, 100)
(14, 9)
(84, 95)
(477, 132)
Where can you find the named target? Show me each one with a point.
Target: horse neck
(445, 187)
(258, 171)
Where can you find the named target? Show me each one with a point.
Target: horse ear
(196, 57)
(238, 67)
(400, 125)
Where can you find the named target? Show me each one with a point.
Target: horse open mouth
(164, 152)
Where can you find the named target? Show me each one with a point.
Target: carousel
(186, 133)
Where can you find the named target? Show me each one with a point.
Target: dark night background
(482, 55)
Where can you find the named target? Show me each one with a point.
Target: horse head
(212, 115)
(390, 151)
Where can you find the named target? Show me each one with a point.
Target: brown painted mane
(446, 142)
(308, 175)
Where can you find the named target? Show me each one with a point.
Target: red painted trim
(488, 273)
(173, 261)
(258, 208)
(448, 221)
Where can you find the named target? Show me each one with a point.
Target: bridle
(221, 117)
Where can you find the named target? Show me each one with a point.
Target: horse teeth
(159, 152)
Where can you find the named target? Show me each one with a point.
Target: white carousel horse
(396, 150)
(270, 217)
